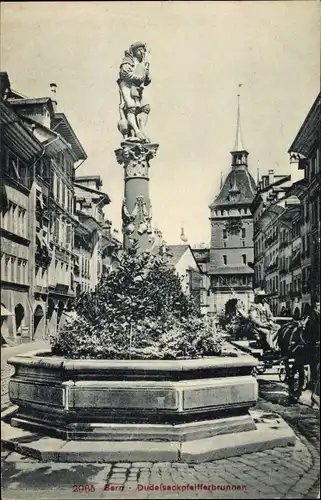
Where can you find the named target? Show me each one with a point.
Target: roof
(14, 130)
(88, 221)
(95, 191)
(231, 270)
(86, 178)
(243, 180)
(28, 101)
(55, 142)
(177, 252)
(61, 125)
(310, 131)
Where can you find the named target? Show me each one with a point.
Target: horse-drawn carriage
(297, 356)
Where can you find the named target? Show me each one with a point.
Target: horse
(300, 341)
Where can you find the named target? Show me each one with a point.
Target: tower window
(224, 234)
(244, 258)
(224, 244)
(243, 232)
(224, 257)
(243, 243)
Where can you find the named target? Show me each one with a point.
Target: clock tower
(231, 250)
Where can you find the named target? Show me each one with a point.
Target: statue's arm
(126, 73)
(147, 78)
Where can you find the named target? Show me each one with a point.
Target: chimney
(53, 90)
(271, 177)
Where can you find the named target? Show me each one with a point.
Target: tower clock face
(233, 226)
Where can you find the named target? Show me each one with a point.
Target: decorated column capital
(135, 157)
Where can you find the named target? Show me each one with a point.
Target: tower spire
(239, 153)
(238, 144)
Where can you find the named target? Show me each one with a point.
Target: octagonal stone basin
(123, 400)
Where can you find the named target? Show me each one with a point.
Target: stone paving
(8, 370)
(281, 473)
(274, 473)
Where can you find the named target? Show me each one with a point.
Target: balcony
(283, 271)
(41, 289)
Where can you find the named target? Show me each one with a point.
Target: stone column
(135, 158)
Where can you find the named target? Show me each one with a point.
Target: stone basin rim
(41, 358)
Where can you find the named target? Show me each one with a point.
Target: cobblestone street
(291, 472)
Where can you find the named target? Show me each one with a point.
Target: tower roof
(239, 186)
(238, 144)
(240, 182)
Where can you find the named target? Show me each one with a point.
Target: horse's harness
(302, 342)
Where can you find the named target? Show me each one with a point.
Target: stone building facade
(39, 153)
(94, 245)
(19, 148)
(289, 207)
(55, 221)
(231, 248)
(305, 150)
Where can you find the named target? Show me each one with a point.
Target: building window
(224, 257)
(244, 258)
(243, 243)
(243, 232)
(224, 244)
(4, 266)
(19, 271)
(13, 269)
(224, 234)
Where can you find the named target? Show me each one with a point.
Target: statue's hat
(137, 45)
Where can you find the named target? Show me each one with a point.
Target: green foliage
(239, 328)
(138, 311)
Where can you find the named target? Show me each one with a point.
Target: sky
(200, 53)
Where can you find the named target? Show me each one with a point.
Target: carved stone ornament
(140, 217)
(128, 219)
(233, 226)
(134, 157)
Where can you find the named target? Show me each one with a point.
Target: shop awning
(5, 311)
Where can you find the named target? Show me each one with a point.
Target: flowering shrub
(239, 327)
(138, 311)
